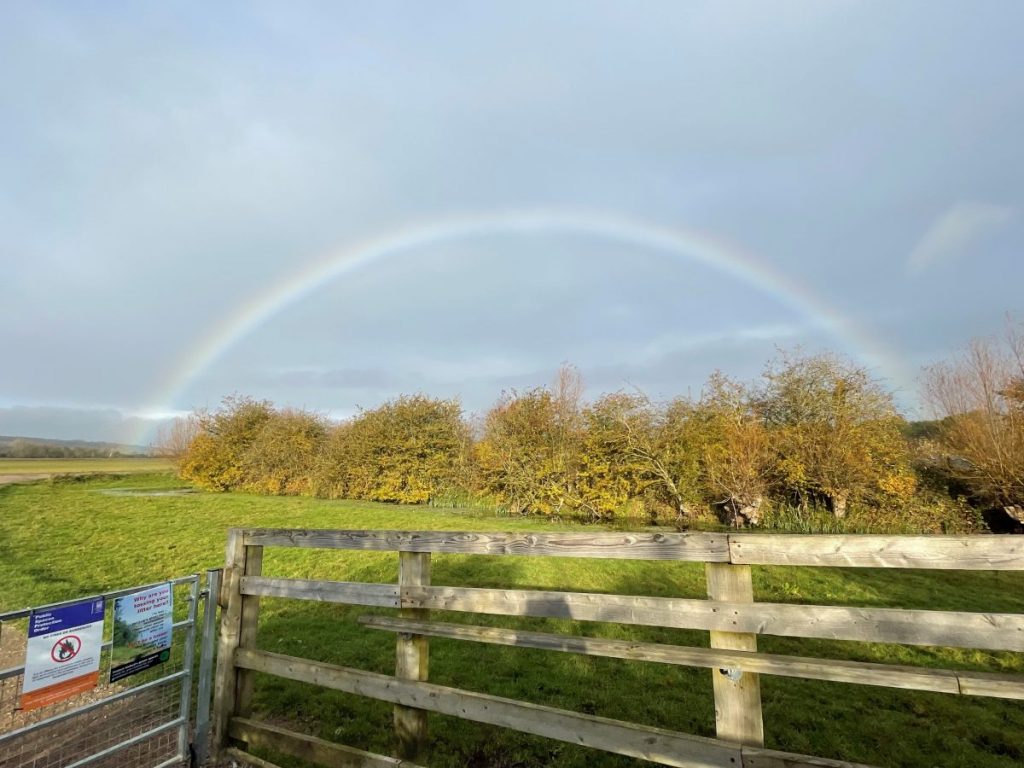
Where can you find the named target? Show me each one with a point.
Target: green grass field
(66, 538)
(81, 466)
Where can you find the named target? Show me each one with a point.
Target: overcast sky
(837, 175)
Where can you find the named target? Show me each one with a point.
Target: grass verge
(62, 539)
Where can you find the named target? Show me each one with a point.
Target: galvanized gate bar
(23, 612)
(184, 676)
(176, 723)
(24, 731)
(186, 684)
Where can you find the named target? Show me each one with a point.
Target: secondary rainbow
(687, 244)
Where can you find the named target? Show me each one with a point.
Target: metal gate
(146, 720)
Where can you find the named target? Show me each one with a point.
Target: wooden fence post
(232, 691)
(737, 694)
(247, 631)
(412, 657)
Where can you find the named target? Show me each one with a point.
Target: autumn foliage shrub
(527, 457)
(836, 435)
(409, 450)
(215, 458)
(979, 397)
(283, 454)
(816, 438)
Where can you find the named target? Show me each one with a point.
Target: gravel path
(24, 478)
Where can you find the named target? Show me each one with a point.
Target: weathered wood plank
(310, 748)
(225, 686)
(349, 592)
(996, 685)
(942, 552)
(222, 595)
(644, 742)
(989, 552)
(711, 547)
(412, 656)
(247, 629)
(841, 671)
(990, 631)
(737, 692)
(755, 757)
(655, 745)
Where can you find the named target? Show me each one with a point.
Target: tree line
(816, 438)
(22, 448)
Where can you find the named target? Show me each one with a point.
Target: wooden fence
(730, 615)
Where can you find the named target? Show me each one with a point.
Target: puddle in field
(147, 492)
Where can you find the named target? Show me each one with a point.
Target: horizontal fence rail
(972, 553)
(731, 615)
(264, 735)
(705, 547)
(645, 742)
(989, 631)
(834, 670)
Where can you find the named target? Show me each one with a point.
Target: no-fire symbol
(66, 648)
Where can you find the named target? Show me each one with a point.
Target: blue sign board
(68, 617)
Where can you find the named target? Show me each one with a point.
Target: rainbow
(688, 244)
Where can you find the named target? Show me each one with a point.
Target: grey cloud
(337, 378)
(164, 166)
(69, 423)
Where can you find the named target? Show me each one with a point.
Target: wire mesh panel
(85, 734)
(140, 720)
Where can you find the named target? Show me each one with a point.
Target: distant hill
(22, 447)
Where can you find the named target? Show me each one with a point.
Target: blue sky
(163, 167)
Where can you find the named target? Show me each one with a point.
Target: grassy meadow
(63, 538)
